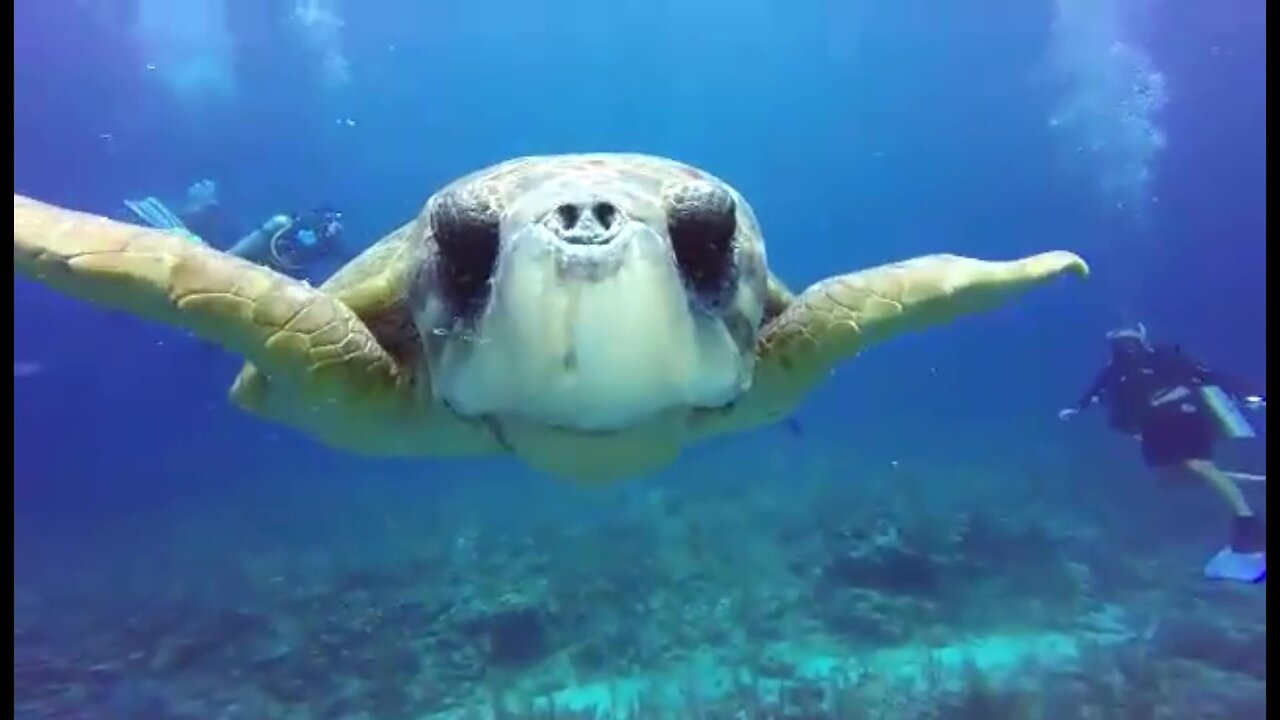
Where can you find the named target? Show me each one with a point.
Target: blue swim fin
(1229, 564)
(154, 213)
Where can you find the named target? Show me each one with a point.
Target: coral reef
(708, 603)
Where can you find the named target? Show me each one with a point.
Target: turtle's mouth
(580, 240)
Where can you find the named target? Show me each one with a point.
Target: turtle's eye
(702, 222)
(466, 231)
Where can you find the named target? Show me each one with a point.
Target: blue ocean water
(176, 558)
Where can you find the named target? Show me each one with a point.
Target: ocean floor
(802, 600)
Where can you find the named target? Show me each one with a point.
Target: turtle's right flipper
(291, 332)
(839, 317)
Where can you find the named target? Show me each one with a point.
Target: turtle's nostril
(569, 215)
(605, 214)
(585, 223)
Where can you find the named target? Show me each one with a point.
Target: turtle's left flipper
(290, 331)
(837, 318)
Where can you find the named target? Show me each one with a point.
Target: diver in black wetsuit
(288, 243)
(1178, 408)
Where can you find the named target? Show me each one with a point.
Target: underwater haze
(924, 538)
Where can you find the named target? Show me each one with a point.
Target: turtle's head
(587, 300)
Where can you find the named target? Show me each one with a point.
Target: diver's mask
(1128, 342)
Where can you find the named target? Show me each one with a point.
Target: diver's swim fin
(1229, 564)
(154, 213)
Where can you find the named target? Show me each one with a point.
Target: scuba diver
(288, 243)
(1178, 408)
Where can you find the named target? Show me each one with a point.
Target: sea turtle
(590, 314)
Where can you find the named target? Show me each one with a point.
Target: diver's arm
(1091, 395)
(1094, 392)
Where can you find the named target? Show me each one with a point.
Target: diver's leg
(1244, 558)
(1181, 443)
(1246, 535)
(1223, 484)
